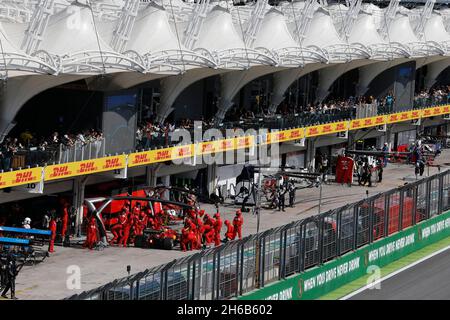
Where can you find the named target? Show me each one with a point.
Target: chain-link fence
(241, 266)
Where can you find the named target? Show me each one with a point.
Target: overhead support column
(151, 174)
(310, 153)
(371, 71)
(329, 75)
(434, 70)
(172, 87)
(233, 82)
(282, 80)
(79, 183)
(211, 178)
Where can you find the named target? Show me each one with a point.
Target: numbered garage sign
(27, 180)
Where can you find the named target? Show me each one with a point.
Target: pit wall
(321, 280)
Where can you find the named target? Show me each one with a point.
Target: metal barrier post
(262, 262)
(241, 269)
(441, 194)
(283, 244)
(414, 203)
(338, 232)
(427, 199)
(371, 205)
(400, 213)
(386, 215)
(355, 227)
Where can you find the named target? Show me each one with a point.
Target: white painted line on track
(368, 286)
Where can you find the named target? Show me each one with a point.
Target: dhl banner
(286, 135)
(216, 146)
(327, 128)
(367, 122)
(402, 116)
(244, 142)
(20, 177)
(72, 169)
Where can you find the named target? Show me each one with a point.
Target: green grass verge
(407, 260)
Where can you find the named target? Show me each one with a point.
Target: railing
(56, 153)
(238, 267)
(80, 151)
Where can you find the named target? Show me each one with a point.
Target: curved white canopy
(218, 37)
(435, 31)
(12, 58)
(401, 31)
(71, 38)
(365, 32)
(323, 34)
(274, 33)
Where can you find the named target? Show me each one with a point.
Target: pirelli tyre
(167, 244)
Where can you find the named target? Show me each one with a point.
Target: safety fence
(239, 267)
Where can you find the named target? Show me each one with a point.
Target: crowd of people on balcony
(435, 96)
(151, 133)
(28, 148)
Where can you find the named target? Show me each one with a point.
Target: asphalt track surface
(428, 280)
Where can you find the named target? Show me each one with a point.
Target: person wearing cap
(238, 221)
(27, 223)
(217, 229)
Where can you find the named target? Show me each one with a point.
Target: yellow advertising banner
(20, 177)
(445, 109)
(327, 128)
(178, 152)
(244, 142)
(402, 116)
(286, 135)
(216, 146)
(367, 122)
(72, 169)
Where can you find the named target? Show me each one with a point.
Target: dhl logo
(281, 136)
(340, 126)
(23, 177)
(60, 172)
(163, 155)
(446, 109)
(393, 117)
(415, 114)
(327, 128)
(112, 163)
(356, 124)
(207, 147)
(141, 158)
(313, 130)
(404, 116)
(427, 112)
(87, 167)
(183, 152)
(437, 110)
(295, 134)
(227, 144)
(368, 122)
(2, 183)
(379, 120)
